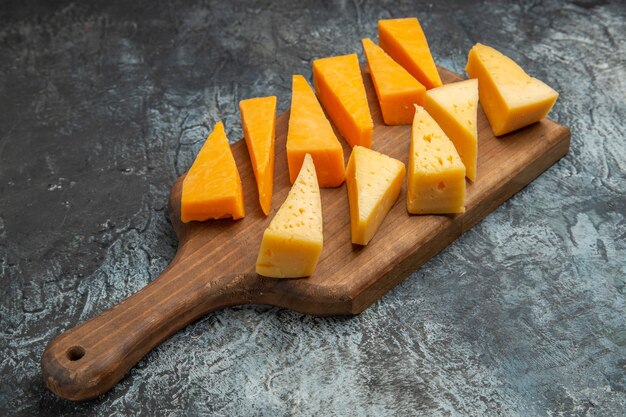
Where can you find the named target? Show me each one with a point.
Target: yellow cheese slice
(339, 86)
(258, 119)
(374, 181)
(293, 241)
(404, 40)
(396, 89)
(311, 132)
(511, 98)
(212, 187)
(436, 177)
(455, 109)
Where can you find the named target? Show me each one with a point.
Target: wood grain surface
(215, 263)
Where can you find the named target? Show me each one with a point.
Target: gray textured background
(103, 105)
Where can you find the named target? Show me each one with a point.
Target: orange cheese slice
(396, 89)
(294, 240)
(374, 181)
(310, 132)
(436, 175)
(405, 42)
(212, 187)
(454, 107)
(258, 117)
(511, 98)
(339, 86)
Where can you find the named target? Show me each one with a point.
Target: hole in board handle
(75, 353)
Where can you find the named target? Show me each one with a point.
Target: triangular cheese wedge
(396, 89)
(436, 177)
(212, 187)
(339, 86)
(511, 98)
(374, 181)
(258, 118)
(455, 109)
(293, 241)
(310, 132)
(405, 42)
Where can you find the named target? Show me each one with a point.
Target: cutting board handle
(88, 360)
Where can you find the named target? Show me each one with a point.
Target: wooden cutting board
(215, 263)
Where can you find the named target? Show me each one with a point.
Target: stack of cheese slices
(443, 147)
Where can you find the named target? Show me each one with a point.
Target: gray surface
(102, 107)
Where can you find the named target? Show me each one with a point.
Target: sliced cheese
(405, 42)
(212, 187)
(436, 177)
(293, 241)
(310, 132)
(374, 182)
(455, 109)
(258, 117)
(511, 98)
(339, 86)
(396, 89)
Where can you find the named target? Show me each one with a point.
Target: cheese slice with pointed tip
(212, 186)
(258, 118)
(436, 177)
(511, 98)
(339, 86)
(293, 241)
(454, 107)
(405, 42)
(396, 89)
(374, 182)
(310, 132)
